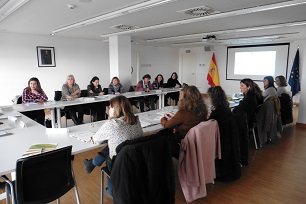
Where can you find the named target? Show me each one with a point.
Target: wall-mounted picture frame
(45, 56)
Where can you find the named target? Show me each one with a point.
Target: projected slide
(255, 63)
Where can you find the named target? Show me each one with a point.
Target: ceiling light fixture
(114, 14)
(10, 7)
(239, 30)
(215, 16)
(242, 39)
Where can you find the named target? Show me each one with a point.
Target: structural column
(120, 59)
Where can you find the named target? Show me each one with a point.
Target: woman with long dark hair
(249, 103)
(220, 106)
(158, 82)
(98, 109)
(173, 83)
(34, 93)
(269, 87)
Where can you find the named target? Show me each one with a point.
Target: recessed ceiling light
(199, 11)
(124, 27)
(85, 1)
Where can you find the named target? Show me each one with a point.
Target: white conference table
(58, 105)
(14, 145)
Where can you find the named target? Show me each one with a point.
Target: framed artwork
(45, 56)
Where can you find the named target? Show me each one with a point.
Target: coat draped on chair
(269, 124)
(200, 147)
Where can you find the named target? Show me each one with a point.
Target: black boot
(80, 119)
(88, 165)
(75, 120)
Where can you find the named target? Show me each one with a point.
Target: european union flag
(294, 80)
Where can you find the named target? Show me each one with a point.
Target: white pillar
(120, 59)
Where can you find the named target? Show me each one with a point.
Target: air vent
(124, 27)
(199, 11)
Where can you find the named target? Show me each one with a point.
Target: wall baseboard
(301, 125)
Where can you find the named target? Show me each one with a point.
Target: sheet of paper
(30, 104)
(50, 131)
(144, 124)
(5, 127)
(84, 136)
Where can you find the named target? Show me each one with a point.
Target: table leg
(58, 115)
(160, 101)
(53, 117)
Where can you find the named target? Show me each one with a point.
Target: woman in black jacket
(228, 168)
(98, 109)
(219, 104)
(173, 83)
(249, 102)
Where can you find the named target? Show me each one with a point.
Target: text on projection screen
(255, 63)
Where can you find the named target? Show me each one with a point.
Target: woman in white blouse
(122, 125)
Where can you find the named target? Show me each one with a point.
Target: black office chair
(58, 97)
(19, 100)
(286, 108)
(87, 108)
(42, 178)
(142, 172)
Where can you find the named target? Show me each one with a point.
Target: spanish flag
(213, 74)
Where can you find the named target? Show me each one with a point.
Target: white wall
(231, 86)
(86, 58)
(155, 60)
(18, 63)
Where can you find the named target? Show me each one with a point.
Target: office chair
(58, 97)
(87, 108)
(42, 178)
(142, 172)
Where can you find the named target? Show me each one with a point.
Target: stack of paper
(39, 148)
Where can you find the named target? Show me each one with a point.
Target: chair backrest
(132, 88)
(242, 126)
(286, 108)
(45, 177)
(57, 95)
(84, 93)
(19, 100)
(105, 91)
(228, 168)
(142, 171)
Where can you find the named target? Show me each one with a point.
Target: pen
(91, 139)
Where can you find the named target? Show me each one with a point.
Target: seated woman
(98, 109)
(71, 91)
(219, 104)
(281, 84)
(158, 82)
(115, 87)
(259, 97)
(191, 111)
(249, 103)
(228, 167)
(269, 87)
(122, 125)
(34, 93)
(173, 83)
(145, 85)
